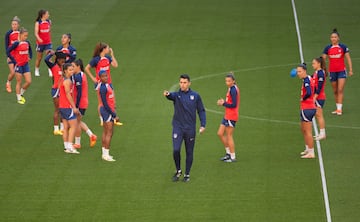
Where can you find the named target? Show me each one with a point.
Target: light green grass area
(154, 42)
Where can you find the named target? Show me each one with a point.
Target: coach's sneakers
(186, 178)
(93, 139)
(337, 112)
(71, 151)
(308, 155)
(58, 133)
(320, 137)
(108, 158)
(176, 176)
(226, 157)
(77, 146)
(8, 87)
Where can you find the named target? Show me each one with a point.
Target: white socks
(322, 132)
(18, 96)
(22, 91)
(338, 106)
(77, 140)
(105, 152)
(56, 127)
(89, 133)
(227, 149)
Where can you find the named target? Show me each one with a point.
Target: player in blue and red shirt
(226, 129)
(68, 109)
(186, 104)
(307, 110)
(107, 112)
(336, 52)
(67, 48)
(56, 69)
(319, 77)
(80, 93)
(43, 38)
(10, 37)
(21, 57)
(103, 58)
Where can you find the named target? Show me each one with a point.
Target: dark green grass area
(154, 42)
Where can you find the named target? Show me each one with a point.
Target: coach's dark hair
(185, 76)
(41, 13)
(335, 31)
(66, 67)
(321, 60)
(100, 46)
(303, 65)
(80, 63)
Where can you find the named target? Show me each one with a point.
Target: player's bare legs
(106, 140)
(222, 136)
(306, 129)
(321, 122)
(56, 116)
(230, 141)
(39, 56)
(10, 77)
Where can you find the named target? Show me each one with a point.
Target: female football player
(22, 54)
(227, 126)
(319, 77)
(336, 52)
(80, 94)
(10, 37)
(68, 108)
(307, 110)
(56, 69)
(67, 48)
(43, 38)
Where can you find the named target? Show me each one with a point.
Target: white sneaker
(108, 158)
(320, 137)
(37, 73)
(309, 155)
(71, 151)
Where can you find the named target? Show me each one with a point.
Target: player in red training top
(336, 52)
(43, 38)
(103, 57)
(319, 77)
(227, 126)
(108, 113)
(56, 69)
(307, 110)
(67, 48)
(80, 93)
(68, 108)
(10, 37)
(22, 55)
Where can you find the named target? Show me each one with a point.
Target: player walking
(107, 112)
(68, 109)
(226, 129)
(67, 48)
(80, 94)
(186, 104)
(21, 55)
(319, 77)
(10, 37)
(43, 38)
(336, 52)
(307, 110)
(56, 69)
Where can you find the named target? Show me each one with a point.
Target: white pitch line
(321, 163)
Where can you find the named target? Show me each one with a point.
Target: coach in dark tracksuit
(186, 104)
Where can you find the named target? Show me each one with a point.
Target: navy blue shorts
(105, 115)
(334, 76)
(306, 115)
(320, 103)
(22, 69)
(228, 123)
(67, 113)
(10, 62)
(42, 48)
(55, 93)
(82, 111)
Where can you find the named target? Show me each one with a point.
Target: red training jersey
(336, 55)
(232, 113)
(44, 32)
(63, 101)
(319, 79)
(21, 53)
(102, 63)
(57, 74)
(12, 37)
(109, 92)
(80, 80)
(308, 102)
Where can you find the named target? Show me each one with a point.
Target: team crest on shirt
(192, 97)
(175, 135)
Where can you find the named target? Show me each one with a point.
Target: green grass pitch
(155, 41)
